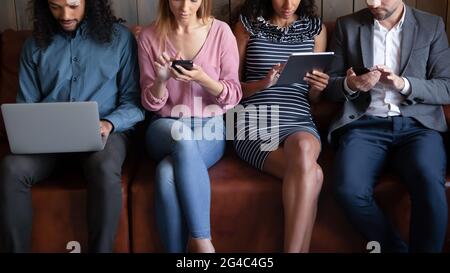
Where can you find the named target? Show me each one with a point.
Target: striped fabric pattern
(287, 107)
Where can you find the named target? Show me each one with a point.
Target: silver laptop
(62, 127)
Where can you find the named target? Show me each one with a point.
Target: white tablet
(299, 64)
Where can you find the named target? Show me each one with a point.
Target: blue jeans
(184, 151)
(417, 155)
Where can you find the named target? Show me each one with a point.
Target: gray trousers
(103, 172)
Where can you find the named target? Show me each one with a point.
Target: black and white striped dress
(260, 131)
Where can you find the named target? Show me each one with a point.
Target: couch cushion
(447, 113)
(330, 26)
(324, 113)
(11, 47)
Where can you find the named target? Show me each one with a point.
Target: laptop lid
(62, 127)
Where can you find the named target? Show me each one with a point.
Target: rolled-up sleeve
(148, 74)
(229, 74)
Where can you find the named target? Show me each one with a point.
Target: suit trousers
(417, 155)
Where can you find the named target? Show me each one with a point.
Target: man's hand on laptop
(105, 128)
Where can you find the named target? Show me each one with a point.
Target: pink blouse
(219, 58)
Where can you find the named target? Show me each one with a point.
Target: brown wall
(14, 14)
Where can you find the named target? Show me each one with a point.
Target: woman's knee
(184, 149)
(319, 176)
(302, 150)
(159, 138)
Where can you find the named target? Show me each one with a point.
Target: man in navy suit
(391, 116)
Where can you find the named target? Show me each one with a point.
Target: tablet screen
(299, 64)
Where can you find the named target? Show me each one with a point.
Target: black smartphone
(186, 64)
(361, 70)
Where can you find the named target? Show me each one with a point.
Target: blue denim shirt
(78, 68)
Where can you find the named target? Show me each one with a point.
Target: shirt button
(75, 79)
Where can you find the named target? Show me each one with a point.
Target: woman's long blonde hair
(165, 21)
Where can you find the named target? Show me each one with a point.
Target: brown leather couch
(247, 213)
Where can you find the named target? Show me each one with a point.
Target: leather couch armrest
(447, 113)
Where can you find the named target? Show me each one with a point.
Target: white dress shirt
(387, 51)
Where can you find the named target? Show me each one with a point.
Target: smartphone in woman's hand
(186, 64)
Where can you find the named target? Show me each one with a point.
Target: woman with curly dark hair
(288, 145)
(77, 53)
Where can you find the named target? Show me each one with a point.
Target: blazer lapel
(409, 34)
(366, 40)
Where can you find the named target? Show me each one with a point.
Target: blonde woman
(186, 147)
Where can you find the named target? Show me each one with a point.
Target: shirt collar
(397, 27)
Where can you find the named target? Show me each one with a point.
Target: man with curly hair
(78, 52)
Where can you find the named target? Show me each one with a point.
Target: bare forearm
(251, 88)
